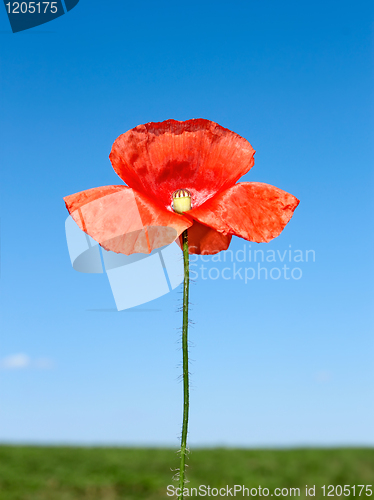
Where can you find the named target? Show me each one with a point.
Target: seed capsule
(181, 201)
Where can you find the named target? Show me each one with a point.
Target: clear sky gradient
(275, 362)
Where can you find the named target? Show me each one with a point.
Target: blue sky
(275, 362)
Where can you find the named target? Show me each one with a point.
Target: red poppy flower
(199, 156)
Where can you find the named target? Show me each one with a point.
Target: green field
(66, 473)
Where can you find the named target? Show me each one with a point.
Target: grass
(67, 473)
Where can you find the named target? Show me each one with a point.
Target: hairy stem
(186, 396)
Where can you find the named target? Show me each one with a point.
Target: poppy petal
(199, 155)
(251, 210)
(204, 240)
(124, 221)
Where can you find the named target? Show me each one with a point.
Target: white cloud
(323, 376)
(43, 363)
(22, 361)
(15, 362)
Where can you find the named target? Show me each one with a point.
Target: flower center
(181, 201)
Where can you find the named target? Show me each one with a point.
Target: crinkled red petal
(156, 159)
(204, 240)
(251, 210)
(124, 221)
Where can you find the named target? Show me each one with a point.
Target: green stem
(186, 397)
